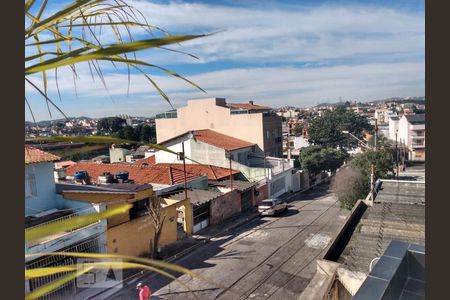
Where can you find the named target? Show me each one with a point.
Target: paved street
(266, 258)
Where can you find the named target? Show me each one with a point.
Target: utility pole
(184, 170)
(376, 134)
(372, 186)
(289, 141)
(396, 152)
(231, 172)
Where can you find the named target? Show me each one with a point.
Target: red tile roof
(149, 160)
(213, 172)
(34, 155)
(221, 140)
(214, 138)
(248, 106)
(63, 164)
(140, 174)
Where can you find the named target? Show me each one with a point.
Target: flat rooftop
(379, 225)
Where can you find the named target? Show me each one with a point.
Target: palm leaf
(40, 232)
(108, 51)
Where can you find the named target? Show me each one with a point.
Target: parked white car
(271, 207)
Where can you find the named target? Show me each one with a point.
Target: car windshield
(266, 203)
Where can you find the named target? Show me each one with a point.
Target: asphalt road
(266, 258)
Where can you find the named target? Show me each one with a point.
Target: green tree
(382, 161)
(316, 159)
(110, 124)
(326, 131)
(148, 133)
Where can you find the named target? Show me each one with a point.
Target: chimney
(251, 102)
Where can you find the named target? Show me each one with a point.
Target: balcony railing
(167, 115)
(90, 210)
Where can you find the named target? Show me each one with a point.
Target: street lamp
(362, 143)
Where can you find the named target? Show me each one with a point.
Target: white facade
(393, 127)
(118, 154)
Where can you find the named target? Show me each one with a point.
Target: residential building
(118, 154)
(212, 148)
(411, 133)
(246, 121)
(380, 251)
(162, 178)
(44, 206)
(132, 233)
(393, 127)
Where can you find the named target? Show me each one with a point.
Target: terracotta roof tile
(149, 160)
(248, 106)
(140, 174)
(213, 172)
(34, 155)
(221, 140)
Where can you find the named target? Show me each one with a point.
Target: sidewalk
(176, 250)
(187, 244)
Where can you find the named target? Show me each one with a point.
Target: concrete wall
(281, 183)
(393, 126)
(263, 193)
(134, 237)
(118, 154)
(44, 183)
(212, 114)
(272, 130)
(223, 207)
(176, 146)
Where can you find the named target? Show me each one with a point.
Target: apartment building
(246, 121)
(411, 131)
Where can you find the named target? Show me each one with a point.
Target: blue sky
(277, 53)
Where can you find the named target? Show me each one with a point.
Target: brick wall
(223, 207)
(263, 193)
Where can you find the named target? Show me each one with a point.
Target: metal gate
(200, 214)
(246, 200)
(68, 289)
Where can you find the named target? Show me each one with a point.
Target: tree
(110, 124)
(148, 133)
(349, 185)
(316, 159)
(155, 211)
(326, 131)
(382, 160)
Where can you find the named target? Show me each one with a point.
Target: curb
(184, 252)
(176, 256)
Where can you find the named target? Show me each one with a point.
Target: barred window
(30, 186)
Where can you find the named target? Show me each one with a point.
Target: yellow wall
(133, 237)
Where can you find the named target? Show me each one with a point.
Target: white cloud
(295, 34)
(274, 86)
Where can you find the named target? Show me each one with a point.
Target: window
(30, 186)
(139, 208)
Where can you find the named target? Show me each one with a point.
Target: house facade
(246, 121)
(44, 206)
(411, 131)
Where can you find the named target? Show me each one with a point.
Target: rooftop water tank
(122, 175)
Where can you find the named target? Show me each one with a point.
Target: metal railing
(90, 210)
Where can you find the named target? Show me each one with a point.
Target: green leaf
(39, 232)
(109, 51)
